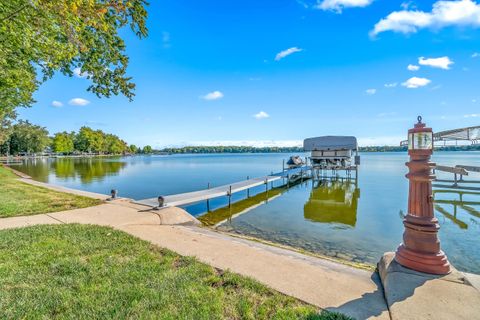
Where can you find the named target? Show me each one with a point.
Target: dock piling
(230, 197)
(208, 200)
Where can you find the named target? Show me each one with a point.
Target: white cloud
(215, 95)
(408, 5)
(261, 115)
(166, 39)
(472, 115)
(78, 102)
(284, 53)
(57, 104)
(79, 74)
(390, 85)
(416, 82)
(442, 62)
(339, 5)
(371, 91)
(476, 55)
(444, 13)
(386, 114)
(413, 67)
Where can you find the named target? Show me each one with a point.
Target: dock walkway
(221, 191)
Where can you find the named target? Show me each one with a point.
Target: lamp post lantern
(420, 249)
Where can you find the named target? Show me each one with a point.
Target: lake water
(343, 219)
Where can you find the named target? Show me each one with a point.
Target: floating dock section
(222, 191)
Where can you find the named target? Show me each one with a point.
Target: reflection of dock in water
(457, 204)
(333, 201)
(226, 213)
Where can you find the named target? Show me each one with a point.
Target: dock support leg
(230, 197)
(208, 200)
(248, 190)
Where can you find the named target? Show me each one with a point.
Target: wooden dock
(222, 191)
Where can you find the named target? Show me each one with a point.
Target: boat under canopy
(333, 152)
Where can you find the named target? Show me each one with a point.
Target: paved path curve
(323, 283)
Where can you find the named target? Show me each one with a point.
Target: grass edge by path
(18, 198)
(52, 257)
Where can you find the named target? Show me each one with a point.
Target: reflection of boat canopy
(334, 202)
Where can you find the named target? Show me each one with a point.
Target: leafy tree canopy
(147, 149)
(62, 142)
(28, 138)
(41, 37)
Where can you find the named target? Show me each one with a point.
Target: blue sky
(275, 72)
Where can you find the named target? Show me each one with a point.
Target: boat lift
(332, 154)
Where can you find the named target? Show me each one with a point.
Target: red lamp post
(420, 249)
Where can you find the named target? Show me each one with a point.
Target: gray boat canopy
(330, 143)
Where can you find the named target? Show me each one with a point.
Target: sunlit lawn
(92, 272)
(18, 198)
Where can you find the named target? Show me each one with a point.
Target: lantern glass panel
(423, 140)
(410, 141)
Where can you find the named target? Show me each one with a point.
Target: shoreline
(5, 159)
(27, 179)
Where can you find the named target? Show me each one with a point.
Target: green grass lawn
(91, 272)
(19, 199)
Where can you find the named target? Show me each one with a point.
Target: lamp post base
(424, 262)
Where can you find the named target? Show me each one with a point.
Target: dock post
(248, 189)
(208, 200)
(230, 197)
(266, 184)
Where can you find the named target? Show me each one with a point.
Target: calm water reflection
(328, 217)
(333, 201)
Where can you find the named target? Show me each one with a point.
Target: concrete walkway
(323, 283)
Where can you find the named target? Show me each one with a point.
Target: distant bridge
(471, 134)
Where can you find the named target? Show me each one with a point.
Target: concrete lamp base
(428, 263)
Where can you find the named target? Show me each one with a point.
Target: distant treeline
(230, 149)
(438, 147)
(27, 138)
(383, 149)
(247, 149)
